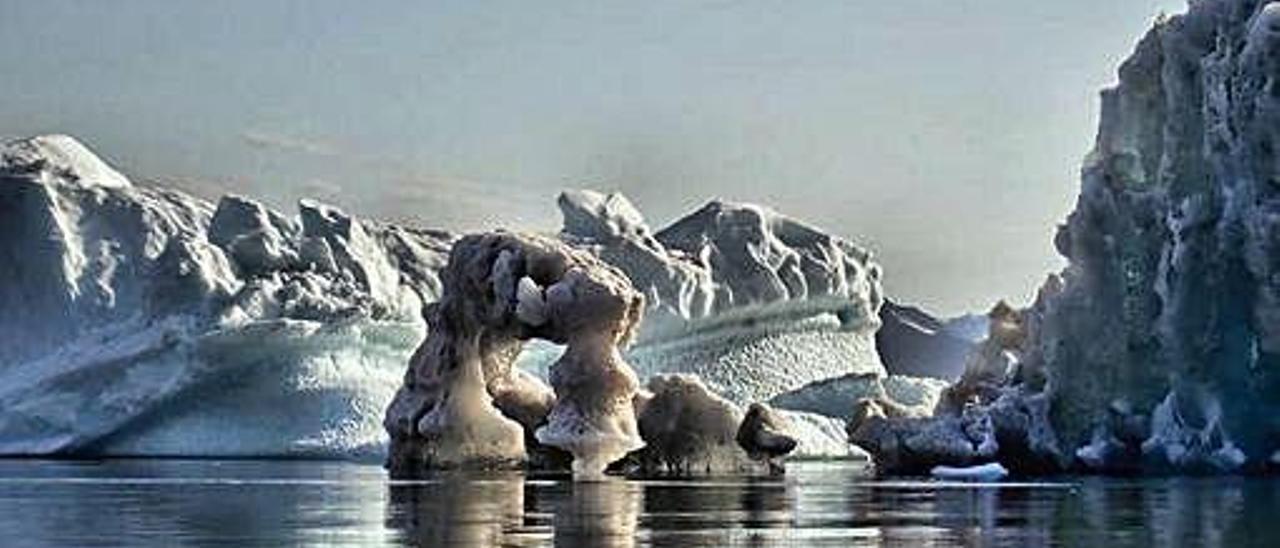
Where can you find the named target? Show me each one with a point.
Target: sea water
(244, 503)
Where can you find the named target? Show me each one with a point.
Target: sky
(944, 135)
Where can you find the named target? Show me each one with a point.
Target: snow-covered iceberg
(753, 302)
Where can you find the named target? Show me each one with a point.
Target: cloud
(267, 140)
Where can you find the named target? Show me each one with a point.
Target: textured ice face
(1156, 347)
(1173, 244)
(751, 301)
(722, 257)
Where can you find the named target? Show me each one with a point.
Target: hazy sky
(944, 134)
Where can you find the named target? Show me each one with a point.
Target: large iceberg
(753, 302)
(1158, 348)
(1170, 308)
(143, 321)
(139, 320)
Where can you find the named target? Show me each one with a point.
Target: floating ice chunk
(986, 472)
(766, 435)
(689, 429)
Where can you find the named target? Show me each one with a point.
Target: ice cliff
(1158, 347)
(1170, 308)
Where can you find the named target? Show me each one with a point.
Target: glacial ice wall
(144, 321)
(1158, 347)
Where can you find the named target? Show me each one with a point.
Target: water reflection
(459, 509)
(309, 503)
(599, 513)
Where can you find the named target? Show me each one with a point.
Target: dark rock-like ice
(1158, 348)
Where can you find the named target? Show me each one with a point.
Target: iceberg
(138, 320)
(984, 472)
(913, 343)
(1157, 349)
(751, 301)
(143, 321)
(1170, 306)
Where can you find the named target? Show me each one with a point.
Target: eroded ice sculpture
(462, 404)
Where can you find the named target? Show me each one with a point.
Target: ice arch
(462, 403)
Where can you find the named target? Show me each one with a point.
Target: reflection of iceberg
(600, 513)
(459, 509)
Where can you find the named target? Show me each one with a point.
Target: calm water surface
(242, 503)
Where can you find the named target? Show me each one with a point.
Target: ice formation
(837, 397)
(992, 471)
(689, 429)
(902, 442)
(913, 343)
(1158, 347)
(765, 435)
(138, 320)
(1170, 308)
(751, 301)
(143, 321)
(500, 289)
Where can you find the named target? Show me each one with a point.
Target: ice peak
(60, 157)
(592, 214)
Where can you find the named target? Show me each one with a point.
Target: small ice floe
(987, 472)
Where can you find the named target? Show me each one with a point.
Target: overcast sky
(945, 135)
